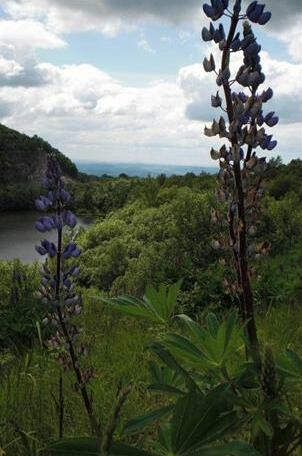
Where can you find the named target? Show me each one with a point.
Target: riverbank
(18, 235)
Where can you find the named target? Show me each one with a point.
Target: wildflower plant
(242, 170)
(205, 365)
(57, 288)
(58, 293)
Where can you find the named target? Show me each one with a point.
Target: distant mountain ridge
(23, 158)
(139, 169)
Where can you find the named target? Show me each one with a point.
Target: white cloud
(145, 46)
(293, 38)
(88, 114)
(28, 34)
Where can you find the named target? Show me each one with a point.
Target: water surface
(18, 235)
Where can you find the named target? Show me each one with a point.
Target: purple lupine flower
(70, 219)
(243, 97)
(255, 13)
(253, 48)
(44, 224)
(216, 9)
(74, 271)
(236, 43)
(272, 145)
(264, 18)
(71, 250)
(43, 203)
(271, 120)
(64, 195)
(267, 95)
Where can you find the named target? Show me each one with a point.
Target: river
(18, 235)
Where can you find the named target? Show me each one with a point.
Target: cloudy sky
(122, 80)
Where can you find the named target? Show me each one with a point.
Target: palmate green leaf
(290, 364)
(184, 349)
(213, 324)
(210, 347)
(156, 306)
(142, 421)
(172, 363)
(198, 420)
(130, 306)
(164, 388)
(197, 332)
(259, 423)
(163, 301)
(166, 380)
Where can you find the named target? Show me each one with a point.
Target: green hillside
(22, 164)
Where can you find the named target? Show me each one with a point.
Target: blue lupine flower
(71, 250)
(47, 247)
(65, 196)
(271, 120)
(236, 43)
(41, 250)
(243, 78)
(268, 143)
(70, 219)
(260, 119)
(42, 203)
(267, 95)
(247, 40)
(252, 48)
(216, 10)
(272, 145)
(264, 18)
(255, 13)
(74, 271)
(242, 97)
(44, 224)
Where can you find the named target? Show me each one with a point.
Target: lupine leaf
(198, 420)
(142, 421)
(171, 362)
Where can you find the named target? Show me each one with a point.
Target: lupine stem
(246, 295)
(94, 423)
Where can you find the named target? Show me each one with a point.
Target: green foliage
(282, 223)
(19, 310)
(22, 160)
(198, 421)
(136, 246)
(157, 305)
(88, 447)
(209, 348)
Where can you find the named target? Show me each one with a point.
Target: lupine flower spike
(241, 171)
(57, 289)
